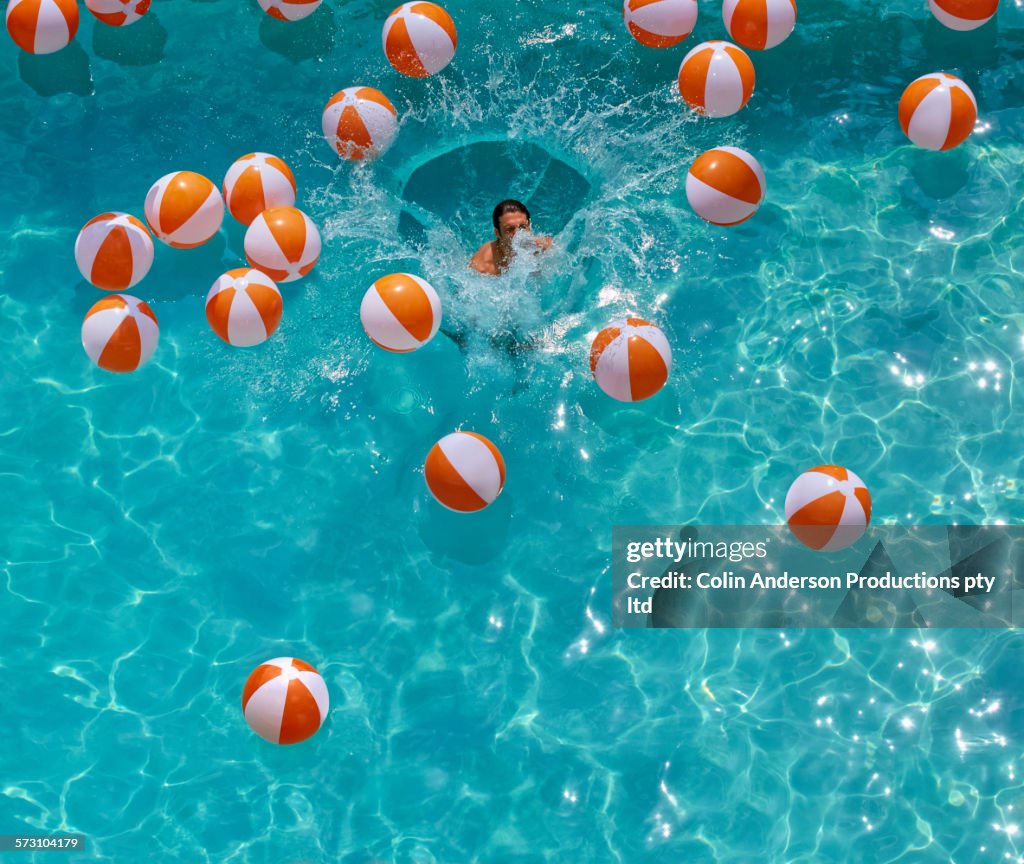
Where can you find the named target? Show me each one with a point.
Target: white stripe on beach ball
(119, 333)
(963, 15)
(401, 312)
(184, 209)
(244, 307)
(725, 185)
(465, 472)
(938, 111)
(285, 700)
(716, 79)
(114, 251)
(630, 359)
(660, 23)
(419, 39)
(289, 10)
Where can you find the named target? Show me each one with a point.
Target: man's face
(509, 224)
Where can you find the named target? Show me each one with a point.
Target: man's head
(509, 217)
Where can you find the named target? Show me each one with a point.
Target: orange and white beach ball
(660, 23)
(716, 78)
(465, 472)
(282, 242)
(289, 10)
(938, 111)
(120, 333)
(400, 312)
(255, 183)
(725, 186)
(360, 122)
(244, 307)
(759, 24)
(114, 251)
(419, 39)
(828, 508)
(118, 13)
(630, 359)
(963, 14)
(285, 700)
(184, 209)
(42, 26)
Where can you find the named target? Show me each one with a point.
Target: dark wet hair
(509, 205)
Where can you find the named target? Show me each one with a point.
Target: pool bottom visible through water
(169, 530)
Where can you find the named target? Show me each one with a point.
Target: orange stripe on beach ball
(814, 525)
(352, 129)
(282, 242)
(648, 370)
(659, 23)
(448, 487)
(257, 182)
(630, 359)
(122, 352)
(963, 116)
(912, 97)
(244, 307)
(400, 53)
(963, 14)
(289, 10)
(114, 251)
(937, 111)
(725, 186)
(419, 39)
(42, 26)
(759, 24)
(602, 341)
(301, 714)
(260, 676)
(439, 17)
(465, 472)
(359, 122)
(716, 79)
(184, 209)
(118, 13)
(120, 333)
(285, 700)
(729, 173)
(828, 507)
(836, 472)
(400, 312)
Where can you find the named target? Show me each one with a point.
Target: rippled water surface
(166, 531)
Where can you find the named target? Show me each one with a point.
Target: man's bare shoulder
(483, 260)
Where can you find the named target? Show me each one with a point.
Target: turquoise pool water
(165, 532)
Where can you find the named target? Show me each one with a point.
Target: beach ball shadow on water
(469, 538)
(139, 44)
(307, 39)
(937, 176)
(650, 425)
(181, 273)
(64, 71)
(233, 231)
(969, 49)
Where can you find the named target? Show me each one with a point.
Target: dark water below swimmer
(517, 332)
(451, 196)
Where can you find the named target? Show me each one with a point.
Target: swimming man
(509, 218)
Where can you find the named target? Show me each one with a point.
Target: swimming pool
(167, 531)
